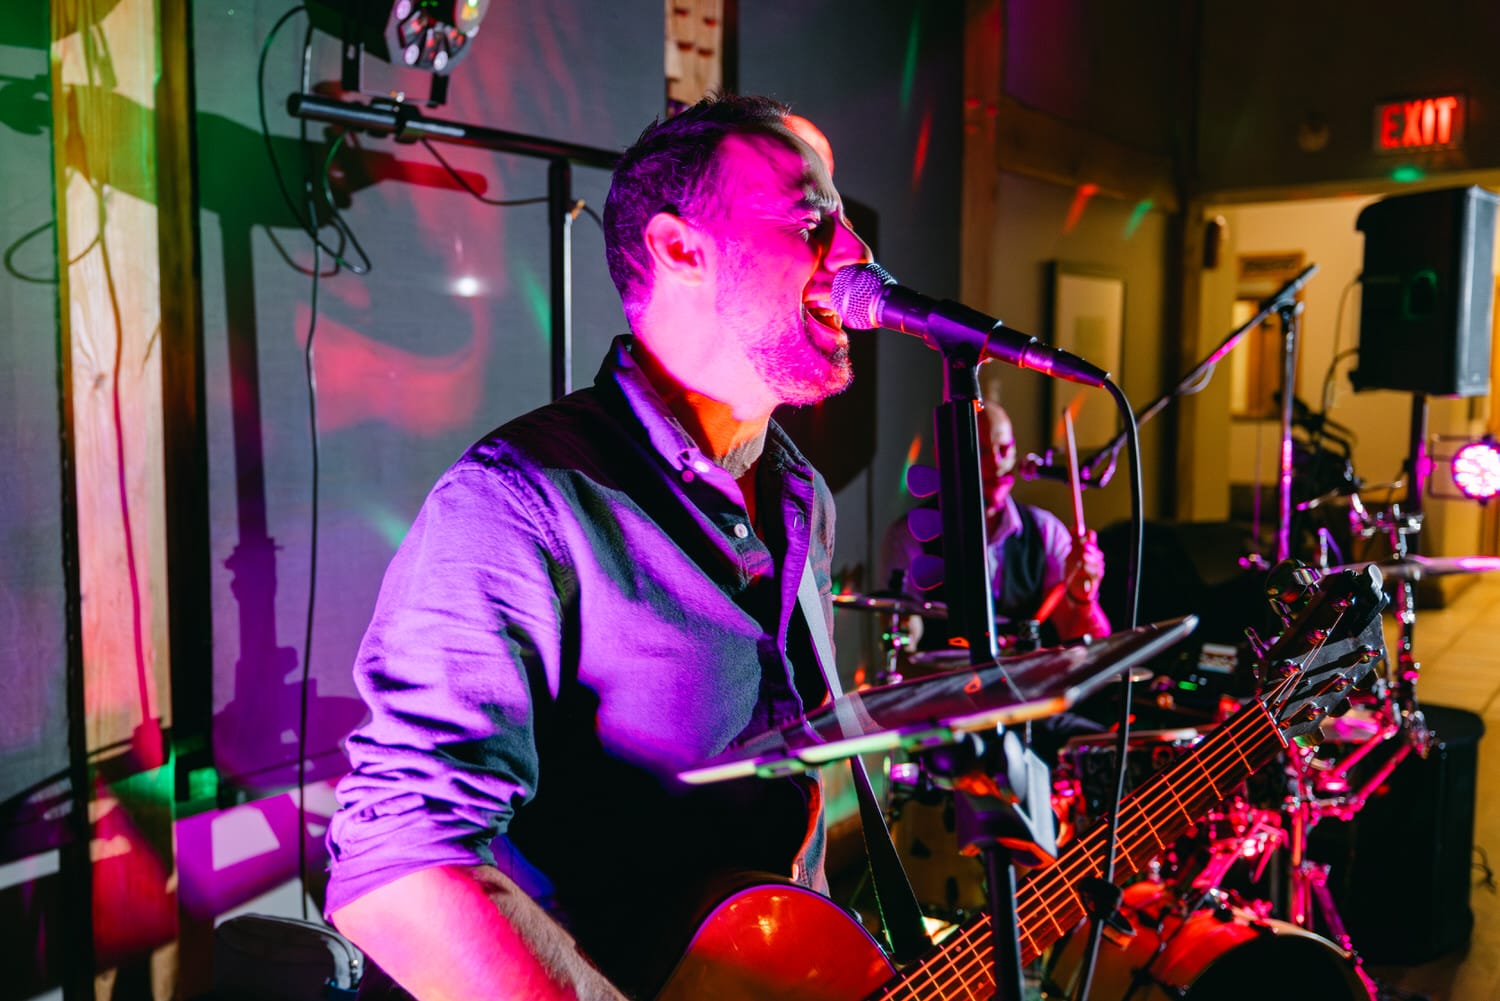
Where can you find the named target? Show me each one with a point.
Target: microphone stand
(1288, 309)
(1100, 467)
(405, 123)
(971, 612)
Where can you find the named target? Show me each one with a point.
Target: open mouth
(827, 317)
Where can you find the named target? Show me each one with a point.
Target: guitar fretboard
(1050, 903)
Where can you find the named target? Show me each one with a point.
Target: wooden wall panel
(104, 70)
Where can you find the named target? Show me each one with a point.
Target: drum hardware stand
(895, 639)
(1308, 880)
(1288, 308)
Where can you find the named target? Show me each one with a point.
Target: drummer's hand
(1084, 569)
(912, 626)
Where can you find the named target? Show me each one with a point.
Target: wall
(1111, 236)
(35, 792)
(1324, 229)
(1289, 89)
(444, 338)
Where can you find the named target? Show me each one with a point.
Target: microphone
(1037, 467)
(865, 297)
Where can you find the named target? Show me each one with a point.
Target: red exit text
(1424, 123)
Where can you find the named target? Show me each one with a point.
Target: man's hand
(1084, 569)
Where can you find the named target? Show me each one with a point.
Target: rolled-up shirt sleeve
(463, 643)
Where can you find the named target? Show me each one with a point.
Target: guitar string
(970, 941)
(1224, 744)
(1149, 799)
(1152, 800)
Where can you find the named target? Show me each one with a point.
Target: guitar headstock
(1330, 645)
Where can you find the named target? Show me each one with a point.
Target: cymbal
(956, 659)
(1345, 496)
(1418, 567)
(890, 605)
(926, 712)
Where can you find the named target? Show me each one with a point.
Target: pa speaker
(1428, 296)
(1402, 868)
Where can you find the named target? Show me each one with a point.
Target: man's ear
(677, 247)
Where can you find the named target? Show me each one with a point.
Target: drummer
(1032, 553)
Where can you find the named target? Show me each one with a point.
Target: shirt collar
(1009, 522)
(666, 433)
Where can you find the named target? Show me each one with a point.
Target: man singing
(603, 592)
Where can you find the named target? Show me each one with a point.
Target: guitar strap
(899, 911)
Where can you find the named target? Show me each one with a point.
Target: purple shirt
(580, 610)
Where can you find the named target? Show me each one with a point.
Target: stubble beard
(790, 361)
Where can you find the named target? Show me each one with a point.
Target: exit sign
(1421, 123)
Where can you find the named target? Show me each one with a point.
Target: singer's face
(997, 454)
(780, 236)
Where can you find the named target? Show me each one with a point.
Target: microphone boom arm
(1100, 467)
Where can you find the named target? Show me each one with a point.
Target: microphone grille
(856, 294)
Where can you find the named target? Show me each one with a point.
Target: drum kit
(1234, 906)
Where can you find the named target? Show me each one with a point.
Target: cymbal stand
(894, 639)
(1399, 526)
(1307, 879)
(1407, 668)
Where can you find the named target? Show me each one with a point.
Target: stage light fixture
(1476, 469)
(429, 35)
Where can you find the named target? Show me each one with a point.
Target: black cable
(305, 683)
(459, 179)
(14, 248)
(1326, 397)
(306, 224)
(1127, 694)
(588, 210)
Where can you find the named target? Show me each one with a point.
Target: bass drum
(1207, 955)
(947, 884)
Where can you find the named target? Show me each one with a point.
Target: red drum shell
(1208, 955)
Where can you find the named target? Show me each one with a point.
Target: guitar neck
(1051, 903)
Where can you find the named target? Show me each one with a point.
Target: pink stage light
(1476, 470)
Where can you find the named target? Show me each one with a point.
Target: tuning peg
(1292, 583)
(922, 481)
(1258, 646)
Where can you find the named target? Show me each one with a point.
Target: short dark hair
(672, 167)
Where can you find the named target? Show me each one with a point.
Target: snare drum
(1087, 764)
(1208, 955)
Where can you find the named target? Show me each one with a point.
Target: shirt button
(741, 530)
(687, 476)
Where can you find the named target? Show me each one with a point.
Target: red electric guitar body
(781, 942)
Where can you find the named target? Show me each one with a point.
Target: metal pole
(405, 123)
(1288, 311)
(560, 259)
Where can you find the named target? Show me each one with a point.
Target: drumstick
(1080, 530)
